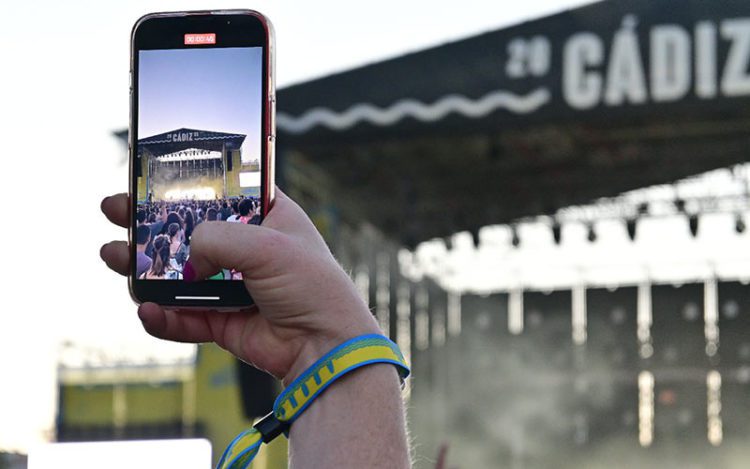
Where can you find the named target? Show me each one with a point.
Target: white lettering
(540, 53)
(626, 80)
(670, 63)
(582, 88)
(736, 78)
(705, 60)
(681, 59)
(516, 65)
(181, 137)
(528, 58)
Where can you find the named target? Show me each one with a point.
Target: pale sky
(203, 89)
(64, 89)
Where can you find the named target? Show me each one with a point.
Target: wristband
(352, 354)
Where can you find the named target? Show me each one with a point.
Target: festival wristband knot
(352, 354)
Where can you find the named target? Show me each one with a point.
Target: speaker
(257, 389)
(229, 160)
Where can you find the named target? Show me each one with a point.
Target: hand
(306, 304)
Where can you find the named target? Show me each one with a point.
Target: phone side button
(272, 113)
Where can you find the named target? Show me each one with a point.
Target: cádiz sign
(182, 136)
(613, 71)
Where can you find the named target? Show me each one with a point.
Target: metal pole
(223, 160)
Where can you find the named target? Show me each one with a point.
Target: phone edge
(269, 132)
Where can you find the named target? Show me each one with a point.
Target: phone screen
(201, 146)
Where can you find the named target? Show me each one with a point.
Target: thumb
(256, 251)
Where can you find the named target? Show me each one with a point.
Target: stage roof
(184, 139)
(521, 121)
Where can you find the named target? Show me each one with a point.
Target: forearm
(358, 422)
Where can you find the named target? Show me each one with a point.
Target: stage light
(475, 237)
(591, 236)
(693, 221)
(556, 232)
(631, 224)
(643, 208)
(739, 224)
(679, 204)
(514, 239)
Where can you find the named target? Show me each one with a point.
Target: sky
(217, 90)
(64, 90)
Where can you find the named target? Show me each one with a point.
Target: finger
(116, 208)
(116, 255)
(287, 216)
(250, 249)
(442, 452)
(279, 194)
(177, 326)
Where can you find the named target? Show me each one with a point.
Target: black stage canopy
(184, 139)
(521, 121)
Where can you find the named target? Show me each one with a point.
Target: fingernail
(188, 272)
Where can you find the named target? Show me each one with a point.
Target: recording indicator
(195, 39)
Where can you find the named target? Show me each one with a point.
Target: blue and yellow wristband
(352, 354)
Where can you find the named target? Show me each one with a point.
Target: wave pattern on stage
(453, 103)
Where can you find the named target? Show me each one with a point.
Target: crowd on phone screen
(164, 230)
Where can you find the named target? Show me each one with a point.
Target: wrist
(315, 346)
(352, 421)
(335, 366)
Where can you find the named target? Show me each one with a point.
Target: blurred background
(544, 203)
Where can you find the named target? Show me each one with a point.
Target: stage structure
(192, 164)
(517, 124)
(522, 121)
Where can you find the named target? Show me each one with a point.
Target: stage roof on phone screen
(184, 139)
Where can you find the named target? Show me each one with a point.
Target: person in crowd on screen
(235, 216)
(177, 247)
(189, 226)
(143, 238)
(140, 217)
(246, 210)
(225, 210)
(172, 217)
(156, 219)
(211, 214)
(160, 260)
(155, 223)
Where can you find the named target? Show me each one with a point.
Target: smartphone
(201, 146)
